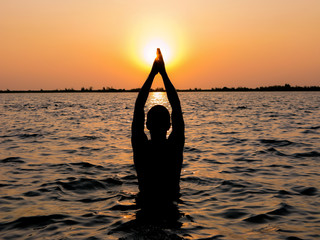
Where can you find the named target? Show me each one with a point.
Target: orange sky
(76, 43)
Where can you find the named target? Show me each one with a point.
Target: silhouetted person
(158, 161)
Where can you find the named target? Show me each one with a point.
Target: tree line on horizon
(286, 87)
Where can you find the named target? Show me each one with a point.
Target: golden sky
(57, 44)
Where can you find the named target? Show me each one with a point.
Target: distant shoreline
(276, 88)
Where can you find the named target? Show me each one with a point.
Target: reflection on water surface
(250, 167)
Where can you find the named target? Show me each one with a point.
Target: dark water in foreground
(251, 167)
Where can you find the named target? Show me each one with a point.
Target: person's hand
(158, 64)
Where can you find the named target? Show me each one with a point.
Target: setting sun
(144, 41)
(149, 52)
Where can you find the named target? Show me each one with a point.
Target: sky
(58, 44)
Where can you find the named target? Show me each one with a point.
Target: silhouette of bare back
(158, 161)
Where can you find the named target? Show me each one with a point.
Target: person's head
(158, 119)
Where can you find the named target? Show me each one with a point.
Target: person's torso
(158, 167)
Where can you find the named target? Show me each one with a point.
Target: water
(251, 167)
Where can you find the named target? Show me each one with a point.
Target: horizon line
(285, 87)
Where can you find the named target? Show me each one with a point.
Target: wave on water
(12, 160)
(250, 169)
(84, 138)
(279, 143)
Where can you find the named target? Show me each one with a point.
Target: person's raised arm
(138, 116)
(177, 118)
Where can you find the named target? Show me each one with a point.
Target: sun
(151, 34)
(150, 49)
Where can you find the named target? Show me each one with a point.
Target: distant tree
(159, 89)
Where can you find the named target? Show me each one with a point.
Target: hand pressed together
(158, 64)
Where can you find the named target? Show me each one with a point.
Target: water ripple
(250, 170)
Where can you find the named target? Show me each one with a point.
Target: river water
(251, 167)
